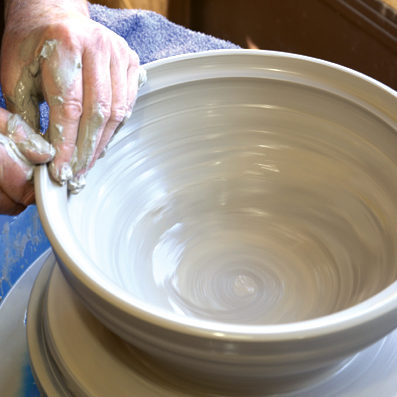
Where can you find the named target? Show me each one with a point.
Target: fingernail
(125, 119)
(29, 174)
(104, 151)
(142, 76)
(28, 198)
(76, 184)
(127, 115)
(62, 174)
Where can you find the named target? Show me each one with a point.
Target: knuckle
(101, 40)
(72, 109)
(134, 58)
(59, 30)
(124, 48)
(63, 33)
(118, 114)
(103, 108)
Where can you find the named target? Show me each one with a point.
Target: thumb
(31, 144)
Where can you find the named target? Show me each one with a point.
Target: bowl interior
(244, 197)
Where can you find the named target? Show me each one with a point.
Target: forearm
(29, 14)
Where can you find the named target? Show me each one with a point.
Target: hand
(87, 74)
(20, 149)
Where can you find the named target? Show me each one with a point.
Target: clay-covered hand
(87, 74)
(20, 149)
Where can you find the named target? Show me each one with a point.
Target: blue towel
(150, 34)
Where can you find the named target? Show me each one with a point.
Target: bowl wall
(244, 215)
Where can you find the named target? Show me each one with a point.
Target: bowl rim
(379, 305)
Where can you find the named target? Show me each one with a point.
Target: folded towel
(150, 34)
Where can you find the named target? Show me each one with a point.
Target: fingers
(16, 191)
(63, 90)
(31, 144)
(110, 87)
(97, 100)
(22, 96)
(126, 78)
(87, 104)
(9, 206)
(20, 149)
(136, 78)
(119, 99)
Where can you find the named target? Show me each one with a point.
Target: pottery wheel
(74, 354)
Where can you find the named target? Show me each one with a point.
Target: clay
(55, 100)
(57, 134)
(16, 155)
(64, 66)
(26, 97)
(142, 77)
(28, 93)
(87, 144)
(85, 149)
(27, 139)
(64, 74)
(76, 184)
(61, 175)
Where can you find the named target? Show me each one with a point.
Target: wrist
(37, 6)
(27, 15)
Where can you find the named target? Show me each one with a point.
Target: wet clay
(57, 134)
(65, 68)
(61, 175)
(15, 154)
(26, 139)
(85, 149)
(29, 92)
(19, 141)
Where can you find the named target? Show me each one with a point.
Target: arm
(51, 49)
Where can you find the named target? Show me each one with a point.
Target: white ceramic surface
(77, 355)
(242, 226)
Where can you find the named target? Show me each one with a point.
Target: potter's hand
(86, 73)
(20, 149)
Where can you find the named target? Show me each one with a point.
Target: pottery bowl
(242, 226)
